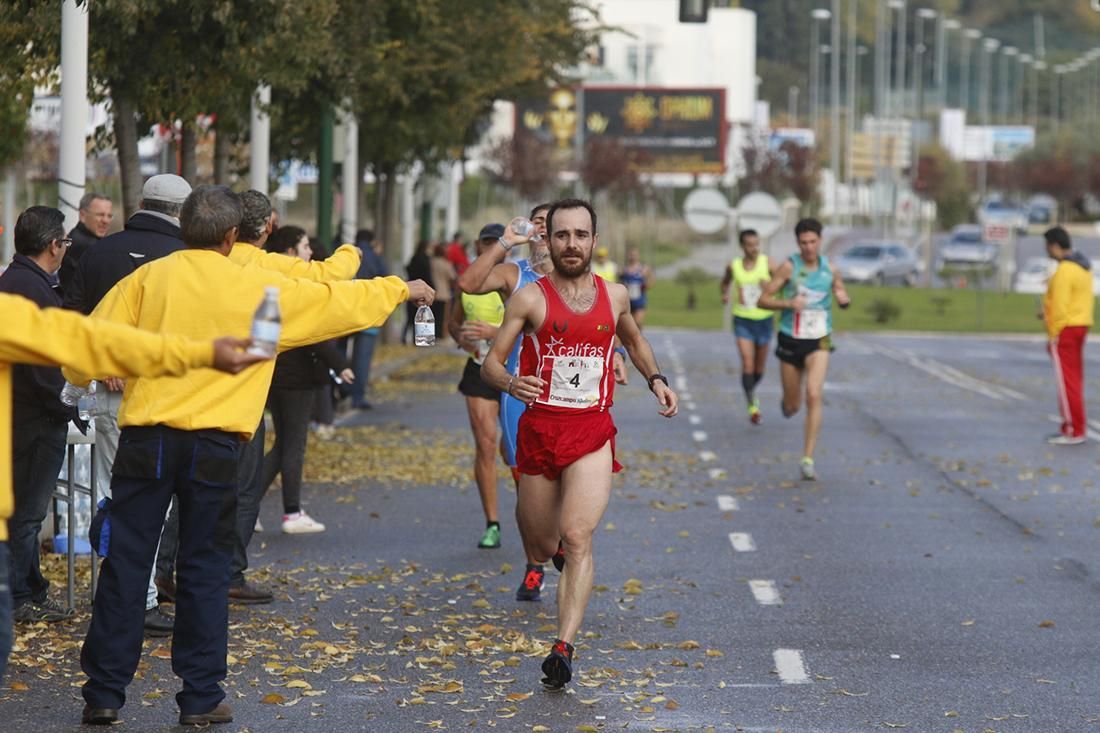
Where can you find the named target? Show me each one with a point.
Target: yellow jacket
(342, 265)
(202, 293)
(1069, 300)
(97, 348)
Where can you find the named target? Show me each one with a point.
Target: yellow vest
(487, 308)
(609, 271)
(749, 285)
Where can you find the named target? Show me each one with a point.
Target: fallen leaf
(272, 698)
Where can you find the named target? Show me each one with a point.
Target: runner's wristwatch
(656, 377)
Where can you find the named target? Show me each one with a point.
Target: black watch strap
(656, 377)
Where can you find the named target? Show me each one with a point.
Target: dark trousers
(38, 450)
(250, 489)
(290, 415)
(169, 543)
(5, 611)
(362, 353)
(200, 469)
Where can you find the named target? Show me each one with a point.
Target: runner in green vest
(809, 286)
(752, 325)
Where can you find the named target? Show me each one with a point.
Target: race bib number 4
(575, 381)
(810, 324)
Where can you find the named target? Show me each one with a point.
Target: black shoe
(533, 583)
(166, 589)
(559, 557)
(558, 665)
(48, 610)
(98, 716)
(249, 594)
(221, 713)
(158, 623)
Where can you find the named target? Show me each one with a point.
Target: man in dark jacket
(150, 234)
(372, 265)
(96, 214)
(39, 419)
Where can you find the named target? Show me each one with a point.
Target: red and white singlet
(572, 353)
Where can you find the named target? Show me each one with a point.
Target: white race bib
(634, 291)
(575, 381)
(481, 350)
(811, 324)
(750, 294)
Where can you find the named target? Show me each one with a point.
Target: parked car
(1034, 275)
(996, 211)
(879, 263)
(966, 248)
(1041, 208)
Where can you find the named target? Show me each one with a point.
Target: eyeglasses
(65, 242)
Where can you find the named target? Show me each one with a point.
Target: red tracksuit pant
(1067, 352)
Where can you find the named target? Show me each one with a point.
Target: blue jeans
(38, 450)
(362, 351)
(5, 611)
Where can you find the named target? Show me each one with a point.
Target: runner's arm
(518, 312)
(840, 292)
(489, 273)
(454, 324)
(639, 350)
(727, 279)
(769, 298)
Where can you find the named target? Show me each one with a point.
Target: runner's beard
(570, 271)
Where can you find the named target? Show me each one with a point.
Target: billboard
(680, 130)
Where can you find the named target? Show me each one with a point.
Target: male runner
(809, 285)
(566, 455)
(637, 278)
(752, 325)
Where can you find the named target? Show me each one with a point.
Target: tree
(30, 42)
(943, 179)
(526, 164)
(608, 167)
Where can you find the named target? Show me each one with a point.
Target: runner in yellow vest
(605, 267)
(473, 327)
(752, 325)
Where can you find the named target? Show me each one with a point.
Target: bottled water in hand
(523, 227)
(424, 327)
(71, 394)
(266, 325)
(92, 403)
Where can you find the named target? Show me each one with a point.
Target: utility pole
(989, 47)
(259, 144)
(852, 98)
(815, 64)
(899, 60)
(792, 105)
(834, 118)
(74, 111)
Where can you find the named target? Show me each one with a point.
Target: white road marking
(690, 406)
(765, 592)
(727, 503)
(716, 473)
(699, 436)
(789, 665)
(695, 419)
(742, 542)
(686, 397)
(707, 455)
(949, 374)
(681, 382)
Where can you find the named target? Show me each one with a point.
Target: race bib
(481, 350)
(575, 381)
(750, 294)
(810, 324)
(634, 291)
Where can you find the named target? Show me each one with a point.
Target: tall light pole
(949, 24)
(1055, 98)
(969, 36)
(1026, 60)
(989, 47)
(1036, 68)
(1004, 107)
(834, 112)
(882, 58)
(899, 59)
(817, 15)
(792, 105)
(920, 51)
(851, 98)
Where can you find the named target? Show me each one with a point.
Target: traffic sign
(997, 233)
(759, 211)
(706, 211)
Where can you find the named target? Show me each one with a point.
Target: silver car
(879, 263)
(966, 248)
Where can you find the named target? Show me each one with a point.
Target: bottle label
(265, 331)
(424, 330)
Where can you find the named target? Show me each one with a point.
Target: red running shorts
(547, 443)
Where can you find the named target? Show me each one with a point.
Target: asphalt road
(940, 576)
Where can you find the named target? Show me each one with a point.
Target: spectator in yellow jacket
(1067, 310)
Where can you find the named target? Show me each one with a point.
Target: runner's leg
(817, 365)
(586, 490)
(538, 507)
(760, 360)
(791, 376)
(483, 415)
(746, 349)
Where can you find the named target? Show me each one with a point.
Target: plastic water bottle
(266, 324)
(424, 327)
(71, 394)
(523, 227)
(92, 403)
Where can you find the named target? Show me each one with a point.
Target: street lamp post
(834, 112)
(919, 52)
(1055, 98)
(1026, 60)
(1037, 67)
(969, 36)
(851, 98)
(815, 62)
(989, 47)
(899, 58)
(949, 24)
(1004, 106)
(792, 105)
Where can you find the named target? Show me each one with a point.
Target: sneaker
(301, 523)
(491, 539)
(325, 432)
(783, 409)
(533, 583)
(158, 623)
(258, 527)
(1060, 439)
(49, 611)
(808, 473)
(559, 557)
(754, 415)
(558, 665)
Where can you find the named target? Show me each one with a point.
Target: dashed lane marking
(681, 382)
(789, 665)
(742, 542)
(727, 503)
(695, 419)
(707, 455)
(765, 592)
(717, 473)
(690, 405)
(699, 436)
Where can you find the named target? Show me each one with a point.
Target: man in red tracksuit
(1067, 311)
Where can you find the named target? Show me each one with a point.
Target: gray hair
(90, 198)
(255, 213)
(208, 214)
(162, 207)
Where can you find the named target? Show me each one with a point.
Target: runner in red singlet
(566, 455)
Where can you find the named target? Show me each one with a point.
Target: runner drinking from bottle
(808, 286)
